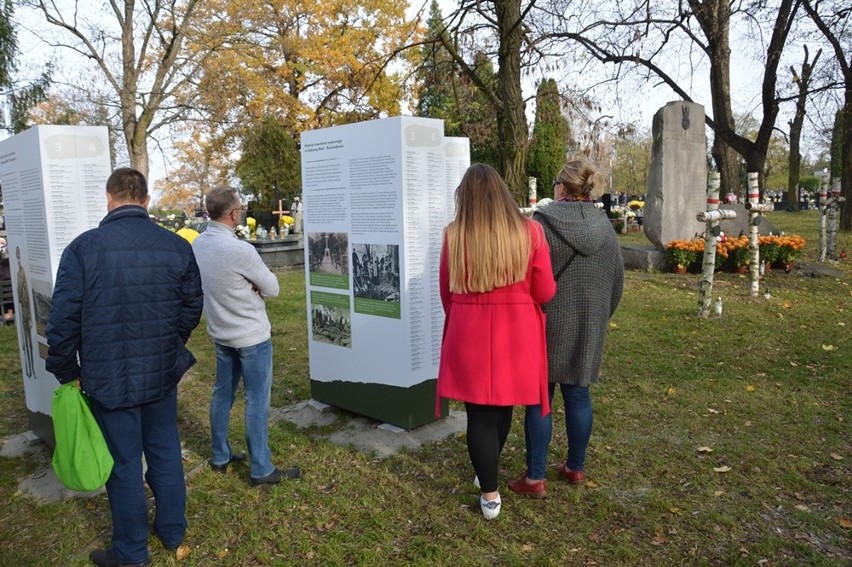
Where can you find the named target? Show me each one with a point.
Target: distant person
(127, 297)
(589, 275)
(494, 275)
(235, 282)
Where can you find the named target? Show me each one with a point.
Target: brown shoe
(535, 489)
(574, 477)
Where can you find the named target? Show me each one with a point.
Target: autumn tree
(550, 138)
(832, 18)
(138, 50)
(632, 149)
(306, 64)
(199, 169)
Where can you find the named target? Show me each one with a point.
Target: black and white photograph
(327, 252)
(331, 325)
(375, 271)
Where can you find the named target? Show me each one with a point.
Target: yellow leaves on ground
(829, 347)
(591, 484)
(704, 449)
(182, 552)
(722, 469)
(749, 388)
(223, 553)
(845, 523)
(671, 391)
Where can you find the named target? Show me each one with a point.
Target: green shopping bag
(81, 458)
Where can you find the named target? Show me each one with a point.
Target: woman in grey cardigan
(589, 275)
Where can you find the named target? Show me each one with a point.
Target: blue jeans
(578, 428)
(129, 432)
(254, 364)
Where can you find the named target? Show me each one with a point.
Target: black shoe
(235, 458)
(104, 558)
(275, 476)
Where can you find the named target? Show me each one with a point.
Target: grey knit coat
(587, 292)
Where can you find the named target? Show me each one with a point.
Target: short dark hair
(127, 185)
(221, 200)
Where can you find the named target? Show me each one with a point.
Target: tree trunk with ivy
(511, 118)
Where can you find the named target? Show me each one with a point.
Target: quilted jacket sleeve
(63, 327)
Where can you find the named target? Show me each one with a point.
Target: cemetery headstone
(677, 175)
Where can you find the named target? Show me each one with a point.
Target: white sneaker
(490, 508)
(476, 482)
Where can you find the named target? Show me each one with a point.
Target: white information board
(377, 196)
(54, 182)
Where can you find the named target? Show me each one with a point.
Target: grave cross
(755, 210)
(711, 218)
(280, 212)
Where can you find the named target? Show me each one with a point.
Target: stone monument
(677, 176)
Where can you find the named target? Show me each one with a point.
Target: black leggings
(487, 430)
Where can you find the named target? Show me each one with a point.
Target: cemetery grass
(723, 441)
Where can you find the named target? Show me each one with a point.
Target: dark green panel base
(407, 408)
(42, 425)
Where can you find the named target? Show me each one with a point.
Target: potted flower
(789, 248)
(769, 250)
(738, 253)
(680, 254)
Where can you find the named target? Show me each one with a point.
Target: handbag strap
(569, 260)
(565, 265)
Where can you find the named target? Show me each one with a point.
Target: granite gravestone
(677, 176)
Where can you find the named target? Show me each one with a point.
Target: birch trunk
(708, 266)
(753, 235)
(823, 202)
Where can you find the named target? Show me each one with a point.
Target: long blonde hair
(488, 242)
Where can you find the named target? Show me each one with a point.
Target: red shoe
(536, 489)
(574, 477)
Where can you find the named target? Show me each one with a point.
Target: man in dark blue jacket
(127, 296)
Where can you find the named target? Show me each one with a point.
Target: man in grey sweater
(235, 281)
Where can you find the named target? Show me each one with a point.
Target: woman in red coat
(495, 274)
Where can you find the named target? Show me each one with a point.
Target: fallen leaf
(718, 493)
(711, 410)
(836, 457)
(659, 539)
(845, 523)
(749, 388)
(671, 391)
(829, 347)
(705, 449)
(527, 547)
(674, 510)
(591, 484)
(613, 325)
(802, 507)
(182, 552)
(793, 364)
(786, 304)
(222, 553)
(722, 469)
(747, 423)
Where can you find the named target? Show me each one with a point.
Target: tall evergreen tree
(550, 139)
(450, 95)
(269, 166)
(17, 101)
